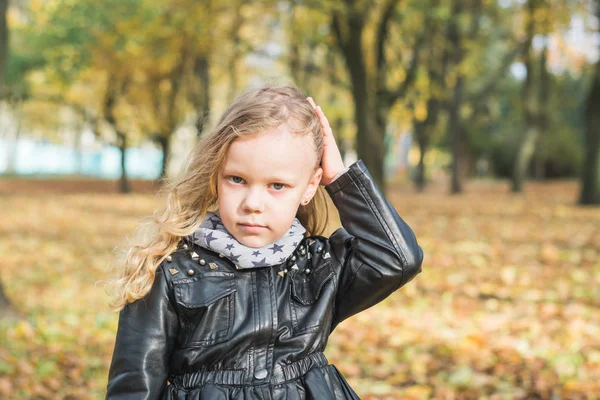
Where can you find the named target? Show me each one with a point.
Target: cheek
(288, 202)
(225, 197)
(220, 193)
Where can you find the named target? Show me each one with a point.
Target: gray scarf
(212, 235)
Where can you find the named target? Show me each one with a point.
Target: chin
(253, 242)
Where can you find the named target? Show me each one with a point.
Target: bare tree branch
(381, 38)
(390, 96)
(337, 30)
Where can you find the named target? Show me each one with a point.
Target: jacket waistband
(281, 373)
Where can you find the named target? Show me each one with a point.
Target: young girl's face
(264, 179)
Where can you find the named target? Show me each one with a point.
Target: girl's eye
(235, 179)
(278, 186)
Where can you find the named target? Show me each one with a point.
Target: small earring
(305, 202)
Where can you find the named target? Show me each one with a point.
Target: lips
(253, 225)
(252, 229)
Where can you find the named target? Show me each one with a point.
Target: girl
(235, 294)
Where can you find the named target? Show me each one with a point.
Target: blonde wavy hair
(194, 192)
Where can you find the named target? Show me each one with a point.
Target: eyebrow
(272, 178)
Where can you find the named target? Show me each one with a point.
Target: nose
(253, 201)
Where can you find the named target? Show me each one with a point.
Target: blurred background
(479, 118)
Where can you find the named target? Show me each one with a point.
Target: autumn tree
(82, 65)
(317, 70)
(3, 41)
(590, 176)
(5, 306)
(540, 19)
(230, 30)
(461, 65)
(530, 102)
(429, 102)
(471, 83)
(368, 63)
(132, 101)
(420, 57)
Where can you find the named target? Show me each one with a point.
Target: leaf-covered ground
(507, 305)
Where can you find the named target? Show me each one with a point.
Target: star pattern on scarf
(213, 235)
(276, 248)
(260, 263)
(209, 238)
(215, 222)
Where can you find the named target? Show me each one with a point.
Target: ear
(313, 185)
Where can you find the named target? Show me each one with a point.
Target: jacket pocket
(308, 313)
(206, 305)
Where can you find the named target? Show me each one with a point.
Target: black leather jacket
(207, 330)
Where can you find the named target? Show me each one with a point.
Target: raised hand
(332, 162)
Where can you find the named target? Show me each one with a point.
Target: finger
(324, 121)
(322, 118)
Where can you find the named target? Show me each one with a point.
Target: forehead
(276, 152)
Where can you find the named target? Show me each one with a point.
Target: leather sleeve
(377, 250)
(146, 336)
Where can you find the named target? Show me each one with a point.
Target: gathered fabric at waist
(281, 373)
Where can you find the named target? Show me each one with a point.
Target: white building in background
(33, 157)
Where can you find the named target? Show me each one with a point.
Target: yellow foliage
(24, 330)
(420, 111)
(398, 75)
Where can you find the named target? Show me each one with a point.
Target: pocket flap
(307, 288)
(204, 289)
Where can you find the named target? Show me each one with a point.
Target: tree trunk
(543, 116)
(530, 139)
(372, 98)
(11, 156)
(235, 45)
(454, 123)
(294, 51)
(436, 72)
(526, 150)
(369, 136)
(6, 309)
(338, 125)
(77, 148)
(370, 143)
(539, 162)
(124, 186)
(163, 142)
(202, 98)
(420, 135)
(4, 303)
(3, 43)
(456, 136)
(338, 122)
(590, 176)
(423, 132)
(114, 89)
